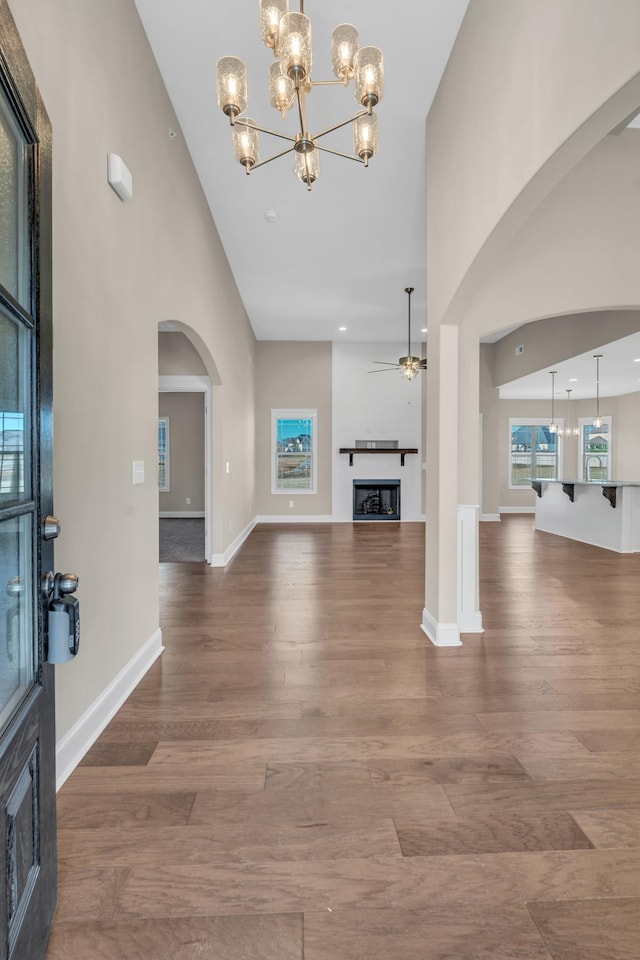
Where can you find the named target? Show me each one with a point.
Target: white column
(440, 614)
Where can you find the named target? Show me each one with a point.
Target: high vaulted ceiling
(342, 254)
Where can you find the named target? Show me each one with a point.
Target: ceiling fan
(409, 366)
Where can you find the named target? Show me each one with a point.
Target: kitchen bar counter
(605, 514)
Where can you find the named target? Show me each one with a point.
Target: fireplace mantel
(401, 450)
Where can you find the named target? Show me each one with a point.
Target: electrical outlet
(188, 500)
(292, 503)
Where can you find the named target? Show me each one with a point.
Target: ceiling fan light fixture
(408, 366)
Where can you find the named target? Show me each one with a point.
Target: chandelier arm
(344, 123)
(327, 83)
(272, 133)
(276, 156)
(301, 109)
(337, 153)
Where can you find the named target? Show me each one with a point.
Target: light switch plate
(138, 471)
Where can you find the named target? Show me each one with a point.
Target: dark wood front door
(27, 739)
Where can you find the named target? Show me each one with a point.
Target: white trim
(199, 384)
(181, 514)
(72, 747)
(489, 517)
(517, 509)
(440, 634)
(469, 616)
(323, 518)
(306, 518)
(222, 559)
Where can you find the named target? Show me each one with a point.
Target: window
(595, 462)
(534, 452)
(293, 451)
(163, 455)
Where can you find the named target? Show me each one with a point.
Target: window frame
(277, 415)
(532, 422)
(588, 422)
(166, 463)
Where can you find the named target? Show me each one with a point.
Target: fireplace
(376, 499)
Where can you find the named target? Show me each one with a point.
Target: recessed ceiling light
(637, 360)
(573, 379)
(342, 329)
(424, 330)
(271, 216)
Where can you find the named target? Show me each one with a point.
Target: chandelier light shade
(597, 420)
(288, 35)
(365, 137)
(294, 46)
(344, 45)
(271, 13)
(308, 167)
(282, 89)
(553, 426)
(232, 86)
(369, 76)
(245, 144)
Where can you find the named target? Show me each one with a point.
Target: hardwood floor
(302, 776)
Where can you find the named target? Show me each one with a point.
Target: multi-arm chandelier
(289, 36)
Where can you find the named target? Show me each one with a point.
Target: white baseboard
(298, 518)
(489, 517)
(517, 509)
(222, 559)
(440, 634)
(181, 514)
(72, 747)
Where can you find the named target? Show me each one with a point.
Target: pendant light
(553, 426)
(569, 429)
(597, 420)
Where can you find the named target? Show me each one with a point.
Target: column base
(440, 634)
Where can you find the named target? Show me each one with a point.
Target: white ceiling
(342, 254)
(619, 374)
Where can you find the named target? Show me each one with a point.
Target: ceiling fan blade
(423, 363)
(388, 370)
(386, 363)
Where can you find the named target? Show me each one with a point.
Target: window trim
(166, 486)
(532, 422)
(278, 414)
(588, 422)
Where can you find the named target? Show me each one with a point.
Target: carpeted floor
(181, 541)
